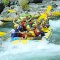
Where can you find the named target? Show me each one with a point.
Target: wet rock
(1, 7)
(6, 14)
(1, 23)
(37, 1)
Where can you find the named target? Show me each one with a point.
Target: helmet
(15, 26)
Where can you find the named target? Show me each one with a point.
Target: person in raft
(36, 30)
(14, 33)
(22, 33)
(23, 23)
(30, 32)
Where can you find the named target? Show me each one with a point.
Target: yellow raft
(47, 36)
(2, 34)
(49, 33)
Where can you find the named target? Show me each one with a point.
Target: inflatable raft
(46, 37)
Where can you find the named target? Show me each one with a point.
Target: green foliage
(6, 2)
(24, 4)
(25, 7)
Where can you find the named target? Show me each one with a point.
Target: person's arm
(22, 32)
(9, 32)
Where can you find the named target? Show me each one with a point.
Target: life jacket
(31, 34)
(24, 26)
(15, 34)
(37, 32)
(20, 28)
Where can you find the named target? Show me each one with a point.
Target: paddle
(2, 34)
(49, 8)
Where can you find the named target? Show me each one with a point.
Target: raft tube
(56, 13)
(47, 36)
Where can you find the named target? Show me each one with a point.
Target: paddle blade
(43, 16)
(49, 8)
(2, 34)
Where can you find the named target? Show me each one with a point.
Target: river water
(34, 50)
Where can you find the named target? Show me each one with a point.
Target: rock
(1, 23)
(1, 7)
(37, 1)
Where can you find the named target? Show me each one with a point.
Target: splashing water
(55, 24)
(34, 50)
(56, 31)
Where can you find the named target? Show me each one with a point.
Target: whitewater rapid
(33, 50)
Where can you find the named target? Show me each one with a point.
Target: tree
(6, 2)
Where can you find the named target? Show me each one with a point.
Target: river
(34, 50)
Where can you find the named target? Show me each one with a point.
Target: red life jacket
(37, 32)
(22, 35)
(24, 25)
